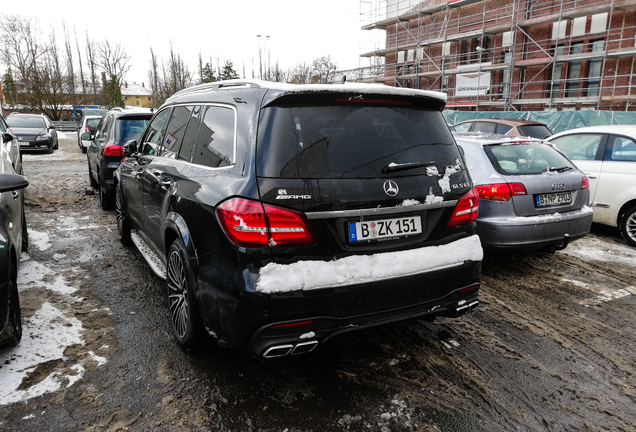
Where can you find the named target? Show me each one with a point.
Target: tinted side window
(189, 139)
(152, 137)
(464, 127)
(104, 128)
(485, 127)
(578, 146)
(622, 149)
(535, 131)
(3, 126)
(176, 131)
(215, 146)
(503, 129)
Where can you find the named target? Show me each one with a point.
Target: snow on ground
(48, 332)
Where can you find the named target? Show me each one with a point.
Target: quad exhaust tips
(290, 349)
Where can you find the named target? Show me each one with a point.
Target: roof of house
(134, 89)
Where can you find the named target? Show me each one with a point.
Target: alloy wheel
(178, 295)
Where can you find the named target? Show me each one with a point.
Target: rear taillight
(500, 191)
(253, 224)
(466, 210)
(585, 183)
(113, 150)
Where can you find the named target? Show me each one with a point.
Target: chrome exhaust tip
(304, 347)
(278, 351)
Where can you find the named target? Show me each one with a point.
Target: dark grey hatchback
(282, 215)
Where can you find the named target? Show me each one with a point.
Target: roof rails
(220, 84)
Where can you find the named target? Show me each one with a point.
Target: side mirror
(86, 136)
(7, 137)
(52, 127)
(12, 182)
(130, 148)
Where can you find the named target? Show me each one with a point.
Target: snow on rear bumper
(361, 269)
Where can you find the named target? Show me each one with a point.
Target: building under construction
(525, 55)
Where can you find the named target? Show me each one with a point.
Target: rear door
(101, 137)
(161, 173)
(133, 168)
(586, 150)
(616, 183)
(370, 173)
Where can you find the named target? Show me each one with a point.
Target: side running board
(153, 260)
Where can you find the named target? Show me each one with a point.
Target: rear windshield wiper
(393, 167)
(559, 169)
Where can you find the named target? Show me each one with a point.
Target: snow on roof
(134, 89)
(377, 89)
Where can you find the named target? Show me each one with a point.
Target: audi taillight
(253, 224)
(466, 210)
(113, 150)
(585, 183)
(500, 191)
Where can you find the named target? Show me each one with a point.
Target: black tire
(50, 149)
(183, 309)
(94, 184)
(628, 226)
(12, 334)
(25, 233)
(106, 200)
(123, 223)
(57, 145)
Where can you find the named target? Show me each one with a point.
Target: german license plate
(553, 199)
(384, 229)
(24, 143)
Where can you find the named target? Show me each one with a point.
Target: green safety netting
(557, 121)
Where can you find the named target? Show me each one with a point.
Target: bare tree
(70, 68)
(40, 79)
(91, 58)
(175, 75)
(113, 60)
(323, 70)
(81, 68)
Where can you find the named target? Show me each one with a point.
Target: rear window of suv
(351, 141)
(130, 128)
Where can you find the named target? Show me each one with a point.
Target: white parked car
(607, 155)
(87, 124)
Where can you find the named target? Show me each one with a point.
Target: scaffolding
(530, 51)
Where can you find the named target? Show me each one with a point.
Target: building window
(599, 23)
(506, 77)
(506, 39)
(137, 102)
(556, 73)
(574, 71)
(578, 26)
(594, 70)
(558, 30)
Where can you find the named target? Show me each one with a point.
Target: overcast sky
(298, 30)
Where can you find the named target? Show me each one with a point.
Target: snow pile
(360, 269)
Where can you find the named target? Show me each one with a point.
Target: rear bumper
(534, 233)
(295, 321)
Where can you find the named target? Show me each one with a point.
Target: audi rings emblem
(558, 186)
(391, 188)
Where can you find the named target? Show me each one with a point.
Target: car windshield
(25, 122)
(534, 131)
(352, 141)
(526, 158)
(130, 128)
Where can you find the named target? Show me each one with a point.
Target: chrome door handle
(591, 176)
(15, 194)
(166, 183)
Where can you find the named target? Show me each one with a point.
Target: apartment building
(525, 55)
